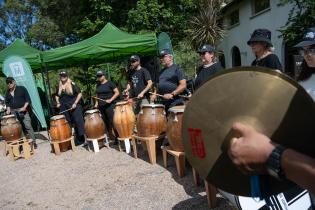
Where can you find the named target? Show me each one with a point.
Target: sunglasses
(309, 51)
(99, 76)
(202, 53)
(133, 61)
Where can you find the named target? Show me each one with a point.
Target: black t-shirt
(68, 99)
(105, 91)
(270, 61)
(204, 73)
(169, 79)
(19, 98)
(139, 80)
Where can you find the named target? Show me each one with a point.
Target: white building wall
(273, 19)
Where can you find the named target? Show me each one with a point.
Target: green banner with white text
(18, 68)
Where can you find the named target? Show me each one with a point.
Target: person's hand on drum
(108, 101)
(167, 96)
(153, 98)
(140, 96)
(251, 150)
(8, 110)
(58, 105)
(74, 106)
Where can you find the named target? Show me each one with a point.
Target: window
(260, 5)
(234, 18)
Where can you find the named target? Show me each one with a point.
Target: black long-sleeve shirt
(19, 98)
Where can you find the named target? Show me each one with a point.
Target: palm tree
(205, 25)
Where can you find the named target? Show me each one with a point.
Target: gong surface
(267, 100)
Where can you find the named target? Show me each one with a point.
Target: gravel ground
(107, 180)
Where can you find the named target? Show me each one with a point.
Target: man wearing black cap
(210, 65)
(172, 81)
(139, 82)
(18, 101)
(261, 45)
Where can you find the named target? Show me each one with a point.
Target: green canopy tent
(33, 57)
(20, 48)
(108, 45)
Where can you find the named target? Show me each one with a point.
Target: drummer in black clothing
(172, 81)
(18, 102)
(139, 82)
(210, 65)
(108, 92)
(261, 45)
(68, 97)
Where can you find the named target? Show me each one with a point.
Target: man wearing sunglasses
(139, 83)
(209, 65)
(18, 101)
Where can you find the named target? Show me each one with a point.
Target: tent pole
(45, 84)
(86, 69)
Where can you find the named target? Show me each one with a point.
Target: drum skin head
(267, 100)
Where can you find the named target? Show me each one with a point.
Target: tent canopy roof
(20, 48)
(108, 45)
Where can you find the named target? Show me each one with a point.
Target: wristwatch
(273, 163)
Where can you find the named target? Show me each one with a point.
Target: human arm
(77, 90)
(116, 94)
(252, 149)
(146, 89)
(27, 100)
(180, 88)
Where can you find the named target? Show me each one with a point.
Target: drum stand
(127, 144)
(211, 190)
(96, 143)
(21, 148)
(179, 159)
(56, 145)
(150, 142)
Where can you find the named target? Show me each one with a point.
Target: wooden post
(211, 194)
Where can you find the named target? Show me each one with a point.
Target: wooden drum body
(94, 125)
(124, 119)
(151, 120)
(60, 130)
(174, 128)
(11, 128)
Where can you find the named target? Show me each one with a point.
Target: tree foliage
(205, 25)
(16, 18)
(301, 17)
(52, 23)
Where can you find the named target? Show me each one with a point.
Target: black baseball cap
(100, 73)
(165, 52)
(206, 48)
(63, 73)
(9, 79)
(308, 38)
(135, 58)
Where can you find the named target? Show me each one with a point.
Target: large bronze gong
(267, 100)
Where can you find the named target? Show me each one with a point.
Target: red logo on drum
(197, 143)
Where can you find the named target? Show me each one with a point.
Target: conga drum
(60, 130)
(151, 120)
(124, 119)
(94, 125)
(174, 128)
(11, 128)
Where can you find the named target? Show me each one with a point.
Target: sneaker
(35, 145)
